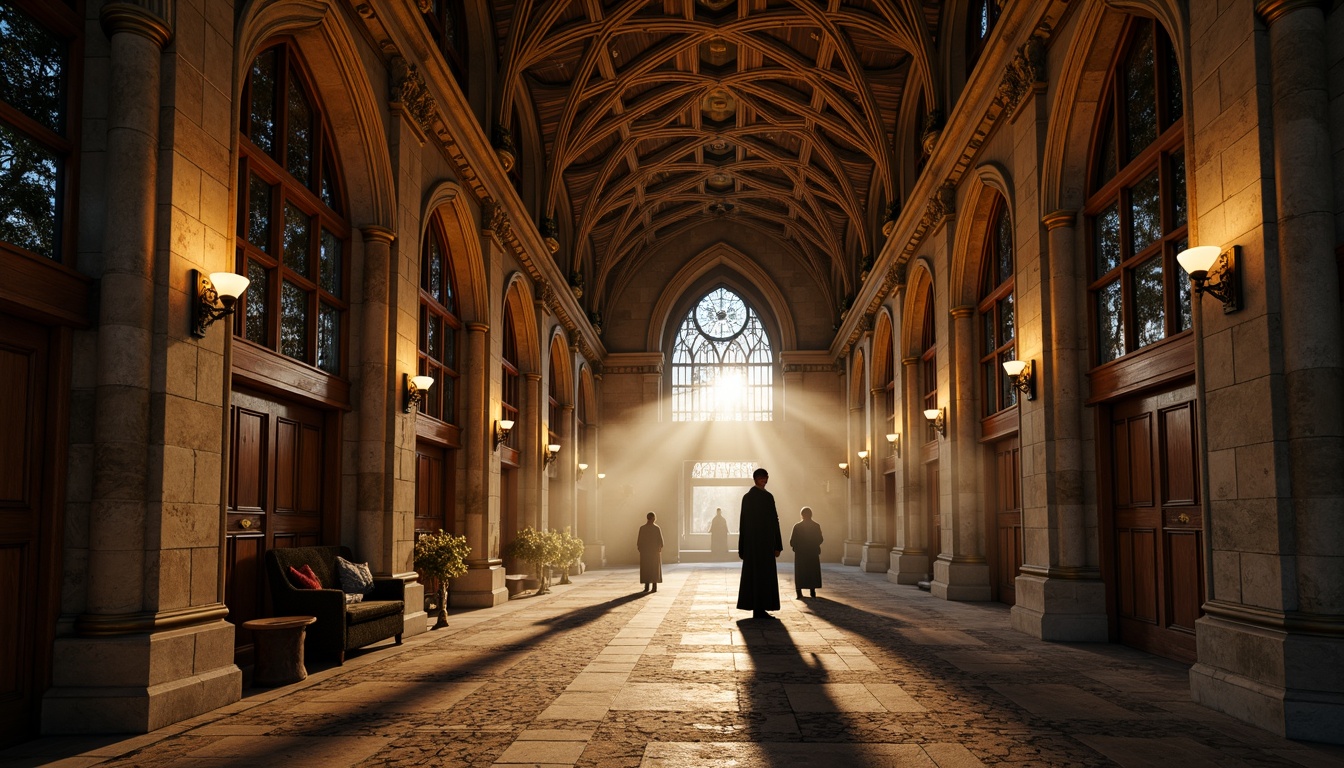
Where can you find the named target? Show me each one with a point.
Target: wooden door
(508, 517)
(1005, 499)
(278, 497)
(433, 502)
(1157, 528)
(28, 576)
(932, 492)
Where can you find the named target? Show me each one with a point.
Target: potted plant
(540, 548)
(441, 556)
(571, 553)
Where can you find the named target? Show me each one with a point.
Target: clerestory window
(722, 364)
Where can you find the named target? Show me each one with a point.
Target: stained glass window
(722, 363)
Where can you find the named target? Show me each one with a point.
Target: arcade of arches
(679, 241)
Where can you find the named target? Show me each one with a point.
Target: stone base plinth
(414, 620)
(853, 552)
(967, 582)
(908, 569)
(1072, 610)
(1288, 683)
(142, 682)
(479, 588)
(595, 556)
(876, 558)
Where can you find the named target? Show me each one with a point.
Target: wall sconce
(216, 297)
(844, 468)
(938, 418)
(416, 387)
(863, 456)
(582, 468)
(1022, 375)
(502, 429)
(552, 450)
(894, 440)
(1214, 271)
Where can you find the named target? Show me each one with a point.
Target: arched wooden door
(281, 469)
(1005, 498)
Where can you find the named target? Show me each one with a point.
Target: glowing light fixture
(894, 440)
(863, 456)
(502, 429)
(552, 450)
(844, 468)
(937, 419)
(1214, 271)
(416, 387)
(216, 297)
(1022, 375)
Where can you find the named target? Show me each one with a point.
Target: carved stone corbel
(408, 90)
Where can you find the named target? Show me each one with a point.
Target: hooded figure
(758, 544)
(806, 543)
(718, 534)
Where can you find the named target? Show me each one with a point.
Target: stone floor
(596, 674)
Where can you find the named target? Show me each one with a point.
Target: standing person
(650, 554)
(806, 543)
(718, 535)
(758, 544)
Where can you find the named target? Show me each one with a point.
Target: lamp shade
(1014, 367)
(1200, 259)
(863, 454)
(843, 465)
(553, 447)
(229, 284)
(930, 413)
(506, 424)
(422, 383)
(891, 437)
(582, 466)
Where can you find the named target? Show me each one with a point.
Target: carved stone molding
(1025, 72)
(942, 204)
(408, 89)
(1273, 10)
(494, 219)
(146, 18)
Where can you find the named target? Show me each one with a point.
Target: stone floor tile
(1063, 701)
(893, 697)
(598, 681)
(832, 697)
(555, 734)
(1141, 752)
(688, 697)
(705, 662)
(543, 752)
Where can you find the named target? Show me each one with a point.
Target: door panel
(932, 492)
(1157, 576)
(25, 524)
(1006, 507)
(277, 497)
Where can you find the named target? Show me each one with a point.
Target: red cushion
(304, 578)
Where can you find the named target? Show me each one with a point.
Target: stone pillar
(876, 549)
(483, 583)
(910, 555)
(594, 552)
(854, 498)
(1271, 650)
(962, 572)
(151, 646)
(1060, 594)
(531, 443)
(566, 472)
(373, 494)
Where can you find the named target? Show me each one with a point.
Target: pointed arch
(991, 188)
(448, 201)
(339, 78)
(560, 370)
(918, 295)
(858, 392)
(518, 303)
(735, 269)
(883, 363)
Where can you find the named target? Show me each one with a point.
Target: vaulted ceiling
(658, 117)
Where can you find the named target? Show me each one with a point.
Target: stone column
(566, 472)
(1060, 594)
(876, 549)
(854, 498)
(910, 555)
(962, 573)
(483, 583)
(150, 645)
(373, 492)
(1271, 643)
(594, 553)
(531, 443)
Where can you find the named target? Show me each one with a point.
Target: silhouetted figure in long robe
(806, 544)
(718, 535)
(650, 554)
(758, 544)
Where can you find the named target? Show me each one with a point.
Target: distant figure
(758, 544)
(806, 543)
(650, 554)
(718, 535)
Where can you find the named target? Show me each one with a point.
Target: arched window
(984, 14)
(928, 363)
(39, 130)
(439, 328)
(448, 26)
(509, 399)
(1137, 212)
(292, 234)
(722, 366)
(998, 332)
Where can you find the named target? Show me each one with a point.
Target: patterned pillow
(304, 578)
(356, 578)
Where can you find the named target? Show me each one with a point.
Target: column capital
(964, 310)
(138, 19)
(477, 328)
(1057, 219)
(909, 361)
(1273, 10)
(374, 233)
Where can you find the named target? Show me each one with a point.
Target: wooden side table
(278, 656)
